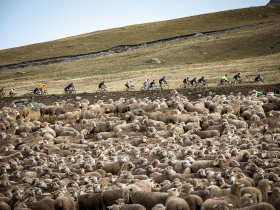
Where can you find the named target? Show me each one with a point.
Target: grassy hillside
(131, 35)
(250, 51)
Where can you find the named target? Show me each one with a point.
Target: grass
(249, 51)
(136, 34)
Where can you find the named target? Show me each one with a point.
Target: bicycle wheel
(132, 89)
(142, 88)
(105, 90)
(205, 85)
(98, 91)
(165, 87)
(182, 86)
(45, 93)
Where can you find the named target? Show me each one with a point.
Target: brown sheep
(49, 110)
(233, 198)
(64, 203)
(275, 198)
(174, 202)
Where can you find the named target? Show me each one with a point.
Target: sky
(25, 22)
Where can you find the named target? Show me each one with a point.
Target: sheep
(259, 194)
(217, 192)
(206, 134)
(64, 203)
(127, 207)
(233, 198)
(275, 197)
(174, 202)
(115, 167)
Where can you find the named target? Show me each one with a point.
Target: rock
(78, 98)
(21, 72)
(155, 60)
(36, 106)
(271, 15)
(274, 2)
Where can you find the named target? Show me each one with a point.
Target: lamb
(147, 199)
(201, 164)
(275, 198)
(174, 202)
(89, 201)
(260, 194)
(115, 167)
(127, 207)
(206, 134)
(50, 110)
(46, 204)
(233, 198)
(217, 192)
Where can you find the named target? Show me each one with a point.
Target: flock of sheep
(214, 153)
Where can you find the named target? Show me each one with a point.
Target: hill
(250, 46)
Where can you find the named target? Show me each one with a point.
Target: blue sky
(24, 22)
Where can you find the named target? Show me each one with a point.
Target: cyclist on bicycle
(1, 90)
(193, 81)
(36, 91)
(12, 92)
(236, 78)
(152, 85)
(186, 81)
(224, 80)
(43, 87)
(161, 81)
(67, 88)
(258, 79)
(201, 81)
(276, 91)
(146, 83)
(102, 86)
(128, 85)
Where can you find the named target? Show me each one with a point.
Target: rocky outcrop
(274, 2)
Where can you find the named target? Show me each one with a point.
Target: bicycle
(2, 94)
(148, 88)
(203, 85)
(164, 86)
(260, 82)
(70, 91)
(13, 94)
(101, 90)
(44, 92)
(185, 85)
(240, 81)
(129, 89)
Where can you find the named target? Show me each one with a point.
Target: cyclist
(146, 83)
(1, 92)
(186, 81)
(152, 85)
(43, 87)
(276, 91)
(236, 78)
(258, 79)
(161, 81)
(128, 85)
(257, 93)
(193, 81)
(102, 86)
(67, 88)
(225, 82)
(12, 92)
(201, 81)
(36, 91)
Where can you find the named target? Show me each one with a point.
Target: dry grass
(130, 35)
(249, 51)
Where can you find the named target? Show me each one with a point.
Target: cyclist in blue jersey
(258, 79)
(236, 78)
(161, 81)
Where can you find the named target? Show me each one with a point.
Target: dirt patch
(191, 93)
